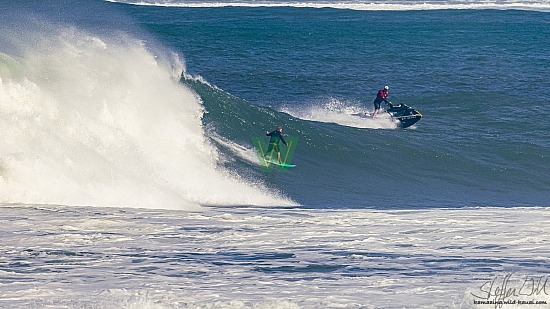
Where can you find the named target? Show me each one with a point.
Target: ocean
(131, 134)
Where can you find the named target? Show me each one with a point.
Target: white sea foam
(88, 120)
(271, 258)
(369, 5)
(349, 114)
(246, 153)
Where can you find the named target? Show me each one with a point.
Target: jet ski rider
(381, 96)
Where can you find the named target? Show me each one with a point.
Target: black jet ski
(405, 115)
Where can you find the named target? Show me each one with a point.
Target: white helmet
(386, 87)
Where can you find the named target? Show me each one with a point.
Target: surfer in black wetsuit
(276, 136)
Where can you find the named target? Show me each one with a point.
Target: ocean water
(129, 178)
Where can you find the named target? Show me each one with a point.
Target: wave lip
(534, 5)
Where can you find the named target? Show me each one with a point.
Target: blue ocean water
(128, 177)
(480, 78)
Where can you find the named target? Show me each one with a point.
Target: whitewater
(74, 257)
(373, 5)
(93, 121)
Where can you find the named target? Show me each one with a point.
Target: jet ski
(405, 115)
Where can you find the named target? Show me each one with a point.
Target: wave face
(482, 140)
(99, 120)
(342, 165)
(371, 5)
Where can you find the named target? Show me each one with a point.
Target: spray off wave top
(88, 120)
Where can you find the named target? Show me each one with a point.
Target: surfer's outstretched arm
(283, 139)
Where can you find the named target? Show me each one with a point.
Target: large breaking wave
(92, 120)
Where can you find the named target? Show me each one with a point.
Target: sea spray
(103, 121)
(351, 114)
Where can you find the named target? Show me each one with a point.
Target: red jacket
(382, 95)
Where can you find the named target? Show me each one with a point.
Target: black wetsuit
(276, 136)
(381, 96)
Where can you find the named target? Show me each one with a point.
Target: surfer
(276, 136)
(381, 96)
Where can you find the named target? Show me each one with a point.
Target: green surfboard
(281, 164)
